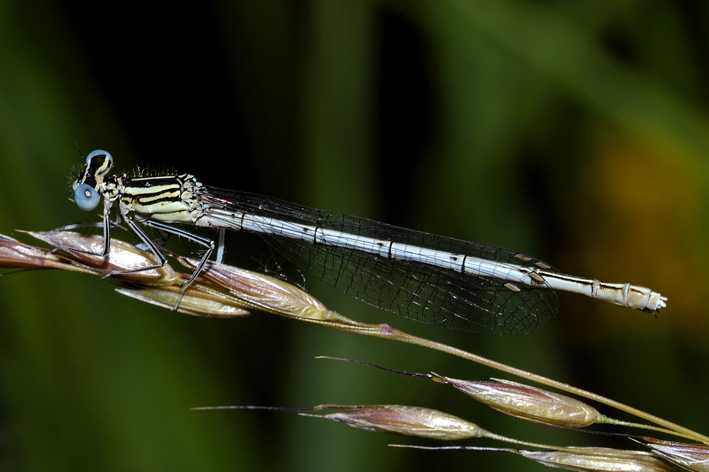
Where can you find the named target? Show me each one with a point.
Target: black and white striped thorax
(169, 198)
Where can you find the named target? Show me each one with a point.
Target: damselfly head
(98, 164)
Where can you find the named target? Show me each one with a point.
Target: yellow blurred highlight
(641, 212)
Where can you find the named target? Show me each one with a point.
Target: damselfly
(433, 279)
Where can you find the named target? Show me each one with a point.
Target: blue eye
(99, 152)
(86, 197)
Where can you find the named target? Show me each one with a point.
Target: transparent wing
(415, 290)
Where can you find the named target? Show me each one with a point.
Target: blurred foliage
(573, 131)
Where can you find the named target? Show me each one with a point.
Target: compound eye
(86, 197)
(97, 153)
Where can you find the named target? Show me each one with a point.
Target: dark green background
(573, 131)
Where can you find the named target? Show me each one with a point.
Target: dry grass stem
(225, 291)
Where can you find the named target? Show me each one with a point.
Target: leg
(206, 242)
